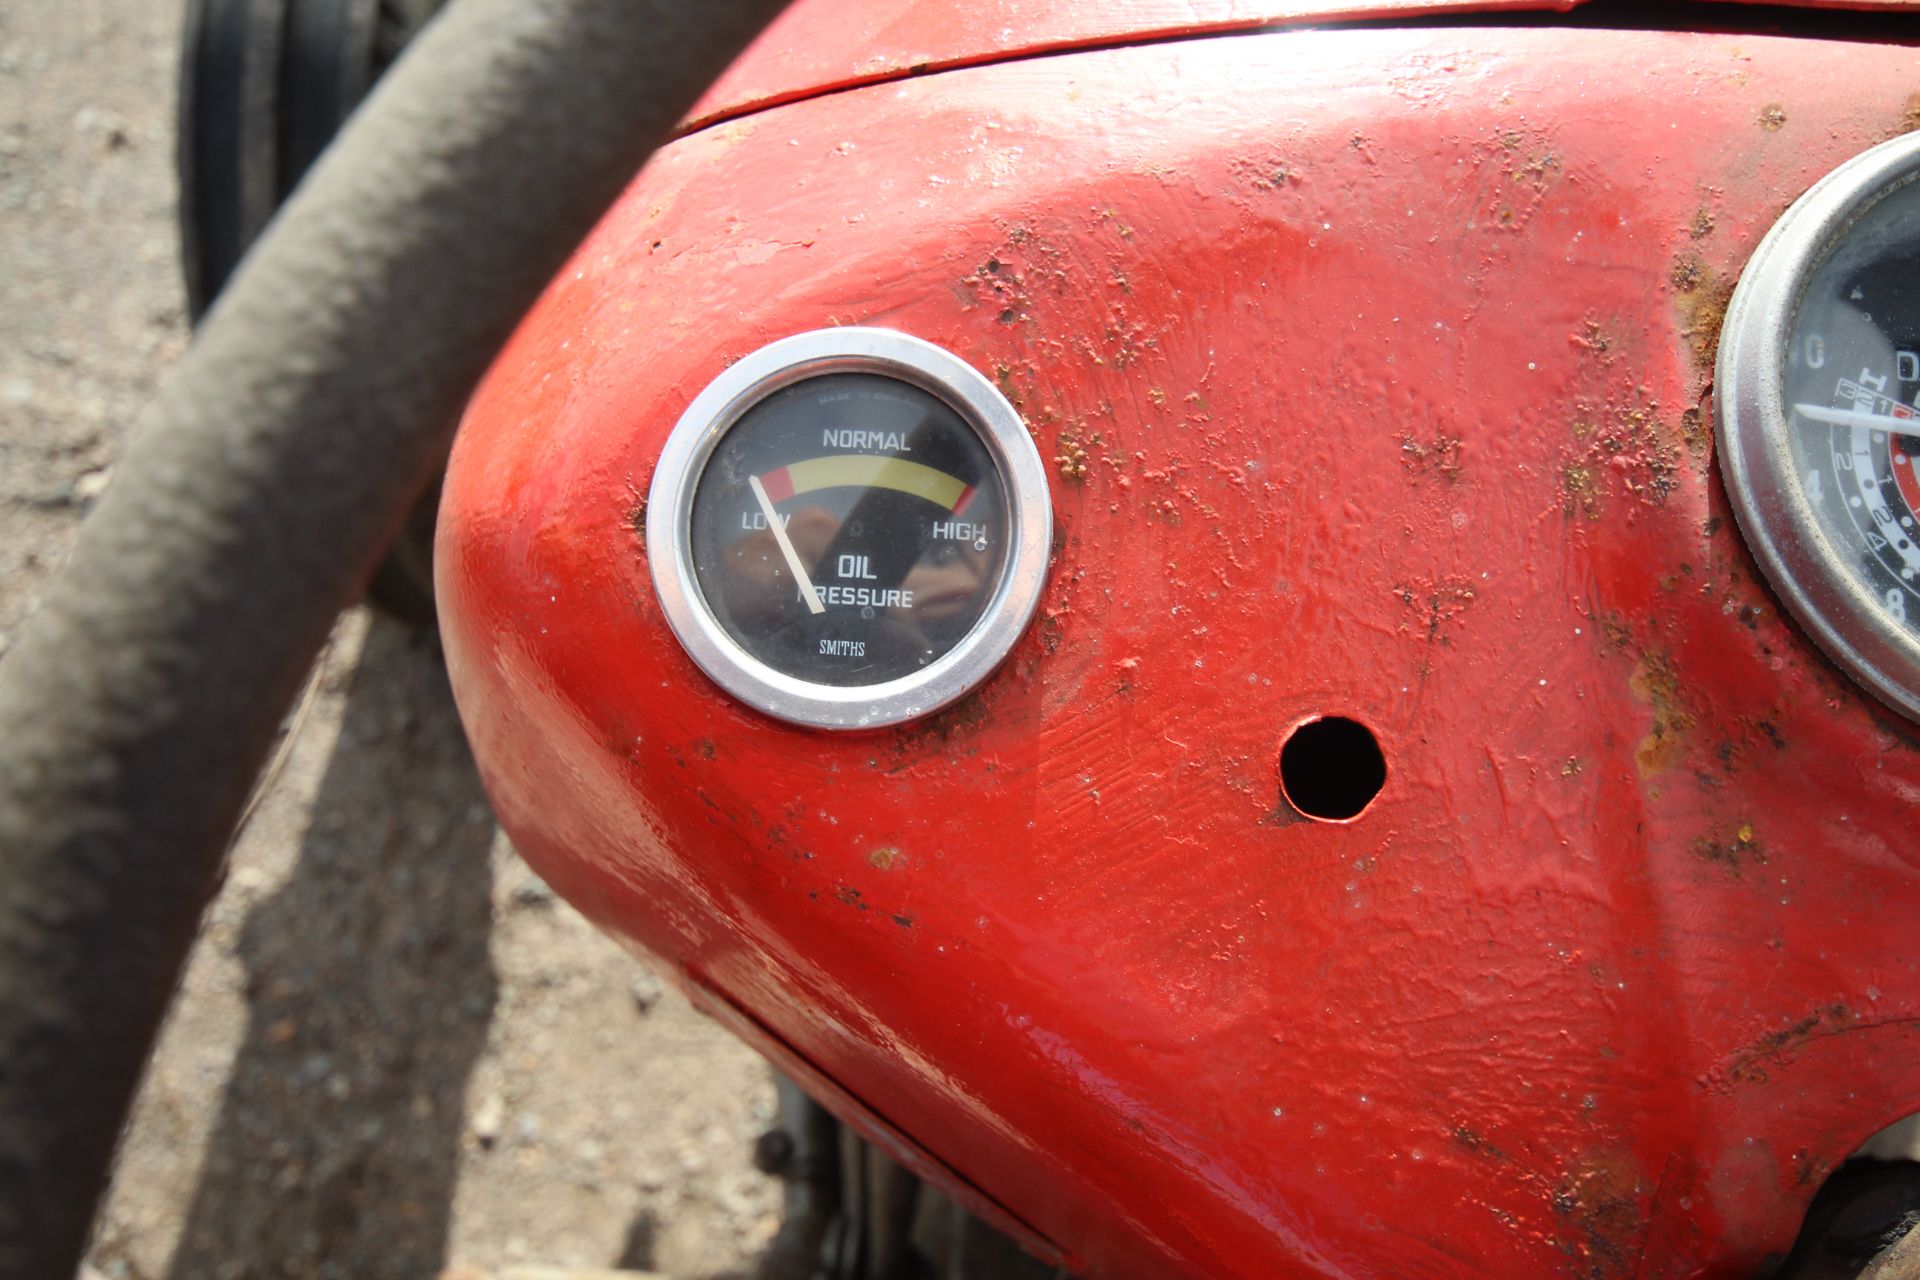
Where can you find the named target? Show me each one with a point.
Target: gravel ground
(395, 1052)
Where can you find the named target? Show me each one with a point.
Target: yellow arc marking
(870, 471)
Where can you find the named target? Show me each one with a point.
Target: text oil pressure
(849, 528)
(1820, 415)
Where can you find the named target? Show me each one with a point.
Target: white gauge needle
(811, 596)
(1909, 427)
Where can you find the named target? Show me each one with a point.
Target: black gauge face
(1853, 376)
(849, 529)
(1817, 393)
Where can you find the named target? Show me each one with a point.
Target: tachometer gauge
(1819, 374)
(849, 528)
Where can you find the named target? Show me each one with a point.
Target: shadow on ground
(369, 992)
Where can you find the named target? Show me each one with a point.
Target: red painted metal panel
(824, 46)
(821, 46)
(1374, 369)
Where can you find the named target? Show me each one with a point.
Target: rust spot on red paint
(1539, 169)
(1071, 461)
(1008, 278)
(1579, 489)
(883, 858)
(1438, 604)
(1654, 683)
(1907, 121)
(1703, 294)
(1264, 174)
(1807, 1169)
(1755, 735)
(1693, 431)
(1705, 310)
(1470, 1140)
(1439, 456)
(1748, 1065)
(1522, 168)
(1593, 337)
(1625, 447)
(1601, 1199)
(1734, 851)
(1050, 630)
(1702, 225)
(1772, 117)
(1003, 379)
(962, 718)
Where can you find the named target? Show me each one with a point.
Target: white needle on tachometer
(811, 596)
(1909, 427)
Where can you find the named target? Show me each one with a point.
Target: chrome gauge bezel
(781, 364)
(1799, 559)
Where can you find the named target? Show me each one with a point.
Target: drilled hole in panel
(1331, 769)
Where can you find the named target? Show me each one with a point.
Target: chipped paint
(1655, 684)
(1703, 296)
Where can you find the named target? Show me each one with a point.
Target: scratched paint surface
(1372, 369)
(822, 46)
(825, 46)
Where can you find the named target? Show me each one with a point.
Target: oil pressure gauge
(849, 528)
(1819, 373)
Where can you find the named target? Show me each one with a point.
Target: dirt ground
(395, 1053)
